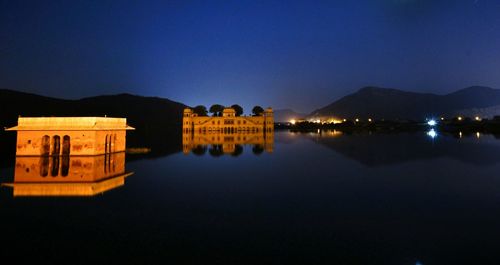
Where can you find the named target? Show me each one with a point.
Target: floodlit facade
(227, 143)
(229, 123)
(54, 136)
(68, 175)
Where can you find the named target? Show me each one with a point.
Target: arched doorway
(45, 148)
(107, 144)
(114, 143)
(56, 145)
(44, 165)
(65, 166)
(54, 168)
(66, 145)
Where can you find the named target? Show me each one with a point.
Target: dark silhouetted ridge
(154, 118)
(389, 103)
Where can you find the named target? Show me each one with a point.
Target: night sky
(295, 54)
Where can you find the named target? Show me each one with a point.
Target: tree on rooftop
(200, 110)
(216, 109)
(257, 110)
(238, 109)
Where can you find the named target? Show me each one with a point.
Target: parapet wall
(71, 123)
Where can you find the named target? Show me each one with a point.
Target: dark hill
(397, 104)
(154, 118)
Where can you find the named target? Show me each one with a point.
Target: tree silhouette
(200, 110)
(257, 149)
(216, 150)
(238, 109)
(238, 150)
(199, 150)
(216, 109)
(257, 110)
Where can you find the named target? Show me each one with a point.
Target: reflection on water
(320, 198)
(68, 175)
(218, 144)
(432, 133)
(381, 149)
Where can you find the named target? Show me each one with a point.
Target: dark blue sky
(298, 54)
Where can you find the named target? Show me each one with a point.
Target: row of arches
(60, 165)
(110, 143)
(109, 164)
(52, 146)
(55, 165)
(228, 130)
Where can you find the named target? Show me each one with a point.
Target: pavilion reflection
(68, 175)
(218, 144)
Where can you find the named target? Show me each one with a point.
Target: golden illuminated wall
(70, 136)
(228, 142)
(68, 175)
(228, 123)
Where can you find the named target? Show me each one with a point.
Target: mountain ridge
(153, 117)
(391, 103)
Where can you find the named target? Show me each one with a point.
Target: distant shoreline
(451, 126)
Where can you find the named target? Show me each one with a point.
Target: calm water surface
(315, 199)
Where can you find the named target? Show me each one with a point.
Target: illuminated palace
(229, 123)
(43, 136)
(228, 132)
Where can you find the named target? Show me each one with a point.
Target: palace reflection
(68, 175)
(218, 144)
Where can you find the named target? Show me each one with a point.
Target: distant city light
(459, 118)
(369, 120)
(442, 118)
(460, 134)
(357, 120)
(334, 121)
(478, 135)
(432, 122)
(477, 118)
(292, 122)
(344, 120)
(432, 133)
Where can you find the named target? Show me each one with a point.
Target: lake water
(305, 198)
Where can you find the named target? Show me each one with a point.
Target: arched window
(66, 145)
(56, 145)
(114, 142)
(54, 169)
(45, 148)
(44, 165)
(65, 166)
(107, 145)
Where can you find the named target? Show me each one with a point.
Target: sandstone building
(229, 123)
(228, 132)
(44, 136)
